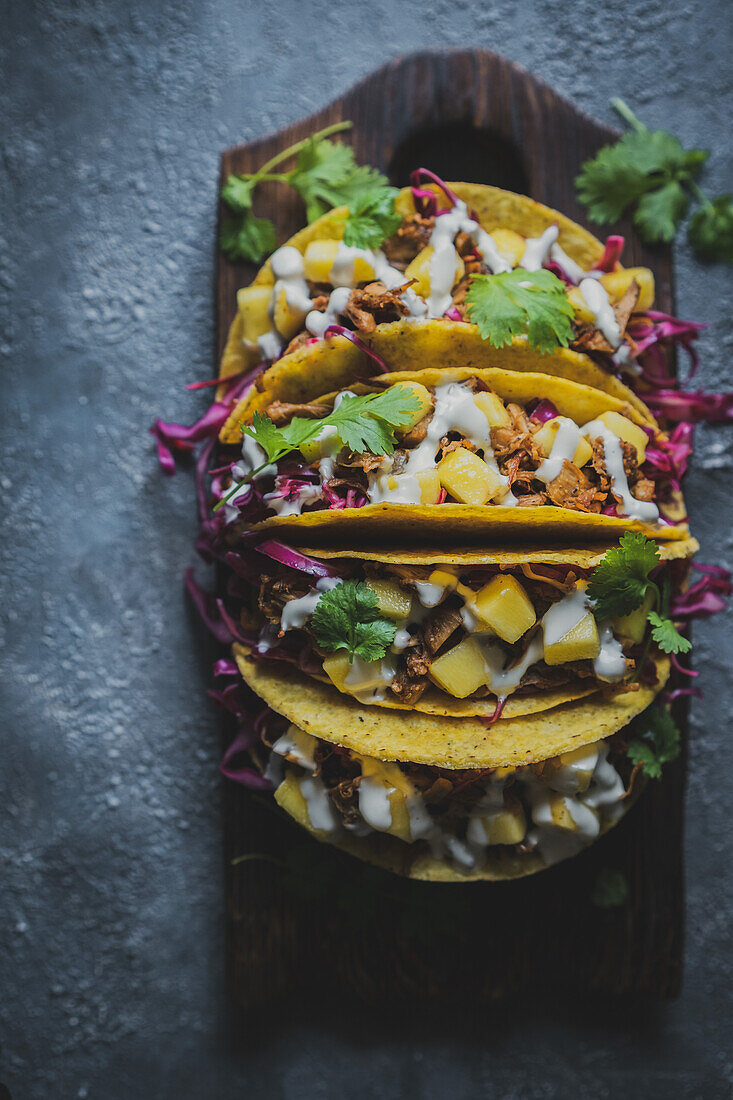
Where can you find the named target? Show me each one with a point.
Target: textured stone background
(111, 900)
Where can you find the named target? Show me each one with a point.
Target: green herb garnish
(365, 423)
(659, 743)
(325, 175)
(347, 617)
(620, 583)
(651, 172)
(515, 303)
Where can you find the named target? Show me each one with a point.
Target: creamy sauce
(297, 746)
(287, 267)
(564, 446)
(596, 298)
(317, 322)
(374, 803)
(503, 681)
(429, 594)
(569, 266)
(564, 615)
(401, 640)
(321, 813)
(537, 249)
(614, 460)
(292, 505)
(368, 679)
(296, 613)
(610, 664)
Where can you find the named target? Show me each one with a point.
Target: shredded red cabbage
(706, 597)
(425, 200)
(678, 405)
(247, 776)
(339, 330)
(559, 271)
(231, 378)
(294, 559)
(650, 330)
(679, 693)
(344, 497)
(543, 411)
(611, 254)
(453, 314)
(205, 604)
(224, 667)
(668, 459)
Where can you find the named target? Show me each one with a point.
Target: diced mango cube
(337, 667)
(560, 812)
(424, 404)
(253, 303)
(626, 430)
(507, 826)
(460, 671)
(505, 606)
(618, 282)
(492, 407)
(632, 627)
(580, 643)
(510, 245)
(318, 260)
(468, 478)
(430, 487)
(580, 306)
(419, 269)
(546, 438)
(287, 318)
(393, 602)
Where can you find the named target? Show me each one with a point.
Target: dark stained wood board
(323, 922)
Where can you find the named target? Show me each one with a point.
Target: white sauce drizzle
(368, 679)
(564, 615)
(537, 249)
(610, 664)
(321, 813)
(564, 446)
(614, 460)
(503, 681)
(298, 746)
(374, 803)
(596, 298)
(567, 263)
(317, 322)
(296, 612)
(429, 594)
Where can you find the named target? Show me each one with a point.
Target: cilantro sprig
(620, 583)
(658, 744)
(347, 617)
(325, 175)
(362, 423)
(650, 171)
(515, 303)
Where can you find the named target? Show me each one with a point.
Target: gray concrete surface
(111, 951)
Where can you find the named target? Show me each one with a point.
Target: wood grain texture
(322, 922)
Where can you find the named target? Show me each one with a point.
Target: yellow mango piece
(626, 430)
(561, 816)
(468, 478)
(492, 407)
(318, 260)
(393, 602)
(546, 438)
(390, 775)
(337, 668)
(460, 671)
(618, 282)
(253, 303)
(424, 404)
(419, 269)
(510, 245)
(579, 644)
(632, 627)
(580, 306)
(507, 826)
(505, 606)
(430, 486)
(287, 318)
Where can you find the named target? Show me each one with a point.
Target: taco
(419, 277)
(508, 633)
(450, 823)
(485, 453)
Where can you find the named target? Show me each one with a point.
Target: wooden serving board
(307, 918)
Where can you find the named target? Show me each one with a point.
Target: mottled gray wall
(111, 895)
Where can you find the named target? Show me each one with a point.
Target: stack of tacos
(453, 570)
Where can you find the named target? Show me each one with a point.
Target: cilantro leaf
(666, 635)
(347, 617)
(513, 303)
(372, 218)
(364, 423)
(247, 237)
(711, 229)
(237, 193)
(320, 167)
(659, 745)
(620, 580)
(659, 212)
(610, 888)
